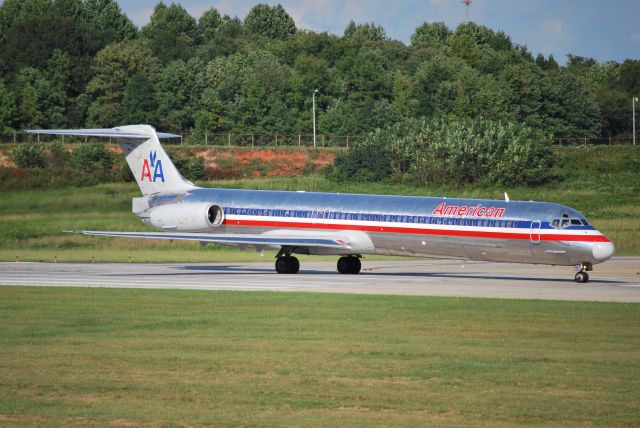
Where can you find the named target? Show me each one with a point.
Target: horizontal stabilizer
(107, 132)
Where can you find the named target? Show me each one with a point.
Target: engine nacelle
(186, 217)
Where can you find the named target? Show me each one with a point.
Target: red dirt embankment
(242, 163)
(237, 162)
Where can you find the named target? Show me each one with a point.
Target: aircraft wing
(241, 240)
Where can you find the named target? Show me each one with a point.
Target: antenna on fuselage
(506, 197)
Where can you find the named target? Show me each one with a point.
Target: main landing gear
(349, 265)
(582, 276)
(288, 264)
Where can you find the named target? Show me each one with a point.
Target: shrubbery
(191, 168)
(437, 151)
(54, 164)
(30, 155)
(43, 165)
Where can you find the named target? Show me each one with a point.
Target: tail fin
(153, 170)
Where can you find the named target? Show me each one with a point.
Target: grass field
(603, 183)
(186, 358)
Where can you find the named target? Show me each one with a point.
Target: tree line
(83, 63)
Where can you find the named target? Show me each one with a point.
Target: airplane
(346, 225)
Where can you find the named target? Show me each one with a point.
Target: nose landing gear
(582, 276)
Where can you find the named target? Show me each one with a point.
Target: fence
(588, 141)
(232, 139)
(229, 139)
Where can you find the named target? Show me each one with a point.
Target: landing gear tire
(349, 265)
(287, 264)
(581, 277)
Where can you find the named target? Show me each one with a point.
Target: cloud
(556, 29)
(311, 14)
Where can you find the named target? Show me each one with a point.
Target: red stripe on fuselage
(416, 231)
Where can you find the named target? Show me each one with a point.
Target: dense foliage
(437, 151)
(41, 165)
(77, 63)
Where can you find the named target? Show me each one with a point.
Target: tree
(139, 100)
(171, 34)
(567, 106)
(616, 117)
(179, 90)
(228, 38)
(272, 22)
(209, 23)
(629, 77)
(41, 103)
(7, 109)
(322, 45)
(108, 22)
(114, 66)
(31, 30)
(435, 85)
(430, 34)
(247, 93)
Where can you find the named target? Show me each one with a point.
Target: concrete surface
(615, 280)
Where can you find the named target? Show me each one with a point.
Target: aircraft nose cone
(602, 251)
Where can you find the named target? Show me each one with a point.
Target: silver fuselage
(477, 229)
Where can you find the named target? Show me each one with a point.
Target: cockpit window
(565, 222)
(555, 223)
(576, 222)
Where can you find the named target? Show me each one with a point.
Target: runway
(616, 280)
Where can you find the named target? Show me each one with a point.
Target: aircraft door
(534, 232)
(534, 238)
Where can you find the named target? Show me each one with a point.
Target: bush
(368, 160)
(57, 155)
(29, 155)
(94, 162)
(191, 169)
(437, 151)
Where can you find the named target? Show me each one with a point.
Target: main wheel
(349, 265)
(287, 264)
(581, 277)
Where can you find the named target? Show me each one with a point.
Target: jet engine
(186, 217)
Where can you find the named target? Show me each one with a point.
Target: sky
(601, 29)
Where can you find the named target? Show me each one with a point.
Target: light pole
(313, 112)
(633, 108)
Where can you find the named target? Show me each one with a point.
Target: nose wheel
(582, 276)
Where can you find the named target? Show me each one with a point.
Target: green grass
(603, 183)
(187, 358)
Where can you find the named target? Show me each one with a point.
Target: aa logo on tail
(152, 164)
